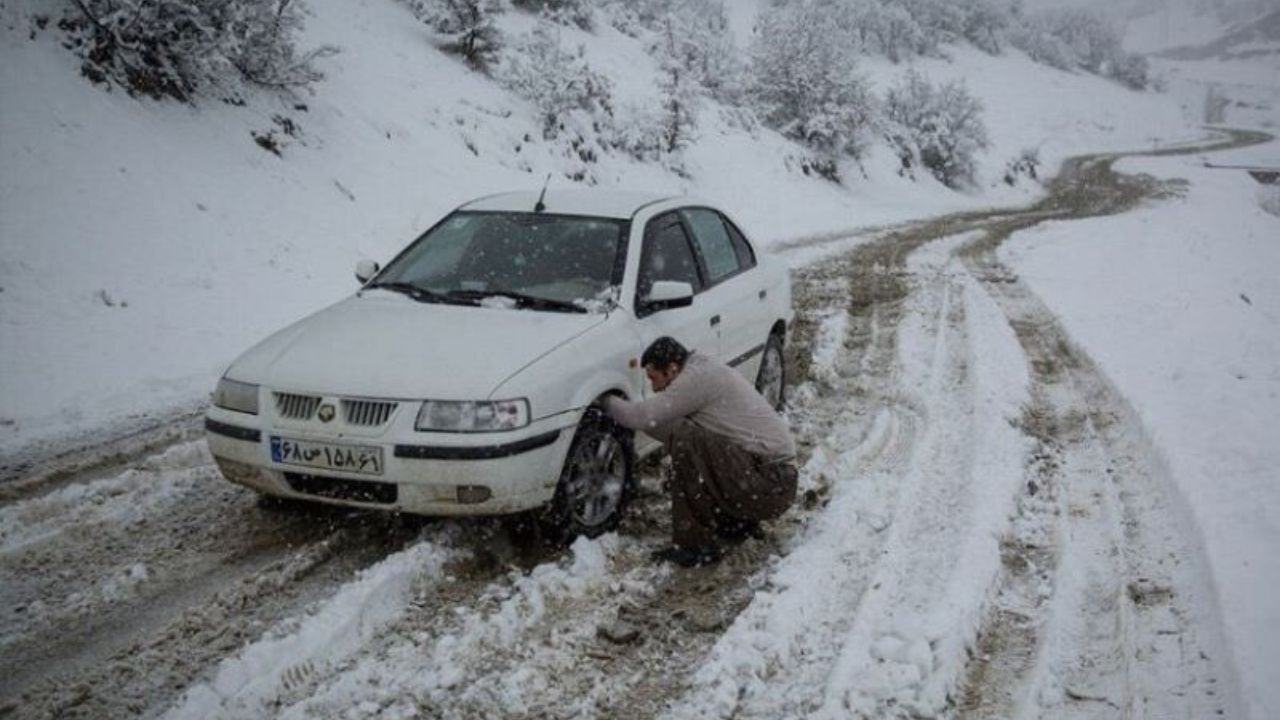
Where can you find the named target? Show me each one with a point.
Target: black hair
(663, 352)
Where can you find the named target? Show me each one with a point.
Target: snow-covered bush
(564, 12)
(1026, 164)
(985, 25)
(677, 66)
(882, 28)
(1040, 45)
(1092, 41)
(177, 48)
(558, 81)
(938, 126)
(469, 27)
(804, 80)
(1134, 71)
(1072, 38)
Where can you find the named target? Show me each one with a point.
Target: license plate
(362, 459)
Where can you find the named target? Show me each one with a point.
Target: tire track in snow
(1102, 606)
(1113, 626)
(796, 649)
(120, 591)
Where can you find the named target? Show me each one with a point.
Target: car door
(733, 297)
(667, 254)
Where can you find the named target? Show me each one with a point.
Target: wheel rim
(770, 382)
(596, 480)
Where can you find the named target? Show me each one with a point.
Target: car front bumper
(422, 473)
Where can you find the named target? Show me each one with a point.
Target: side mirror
(365, 270)
(668, 294)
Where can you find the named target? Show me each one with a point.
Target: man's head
(662, 361)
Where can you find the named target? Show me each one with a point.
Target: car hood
(380, 345)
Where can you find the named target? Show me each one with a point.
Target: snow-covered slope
(145, 244)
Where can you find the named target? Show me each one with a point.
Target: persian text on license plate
(363, 459)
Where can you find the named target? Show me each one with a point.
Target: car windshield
(550, 262)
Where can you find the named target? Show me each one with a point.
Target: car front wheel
(596, 482)
(771, 380)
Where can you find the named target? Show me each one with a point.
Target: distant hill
(1244, 40)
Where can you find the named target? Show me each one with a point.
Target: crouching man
(733, 456)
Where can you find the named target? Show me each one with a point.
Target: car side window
(717, 248)
(667, 255)
(746, 256)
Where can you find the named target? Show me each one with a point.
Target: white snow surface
(1179, 303)
(145, 244)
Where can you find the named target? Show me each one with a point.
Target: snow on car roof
(598, 203)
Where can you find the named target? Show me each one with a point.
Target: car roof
(595, 203)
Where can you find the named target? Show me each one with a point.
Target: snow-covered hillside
(147, 243)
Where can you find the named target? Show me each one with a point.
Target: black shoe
(687, 556)
(736, 531)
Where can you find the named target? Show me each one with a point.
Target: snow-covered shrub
(984, 25)
(940, 21)
(886, 29)
(804, 80)
(469, 27)
(1026, 164)
(677, 66)
(177, 48)
(700, 27)
(1133, 70)
(939, 126)
(1032, 38)
(558, 81)
(638, 131)
(564, 12)
(1071, 38)
(1093, 42)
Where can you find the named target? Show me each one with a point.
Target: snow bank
(120, 500)
(262, 675)
(1179, 304)
(443, 661)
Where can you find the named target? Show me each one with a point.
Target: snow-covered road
(984, 531)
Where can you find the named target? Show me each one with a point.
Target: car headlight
(481, 416)
(236, 395)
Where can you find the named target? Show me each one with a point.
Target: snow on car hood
(390, 346)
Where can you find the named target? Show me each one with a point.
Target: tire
(771, 379)
(596, 483)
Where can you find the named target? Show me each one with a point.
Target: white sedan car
(463, 378)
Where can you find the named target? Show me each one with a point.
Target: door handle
(715, 320)
(763, 293)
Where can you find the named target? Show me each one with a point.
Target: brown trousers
(717, 484)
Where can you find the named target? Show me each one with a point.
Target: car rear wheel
(771, 380)
(596, 482)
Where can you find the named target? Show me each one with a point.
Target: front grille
(367, 491)
(296, 407)
(369, 413)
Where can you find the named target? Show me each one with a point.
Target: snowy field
(1039, 467)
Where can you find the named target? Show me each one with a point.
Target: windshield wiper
(522, 300)
(420, 294)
